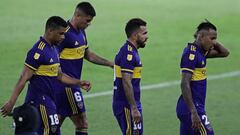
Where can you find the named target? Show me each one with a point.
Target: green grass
(171, 23)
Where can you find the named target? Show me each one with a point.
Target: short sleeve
(188, 61)
(127, 63)
(34, 59)
(63, 44)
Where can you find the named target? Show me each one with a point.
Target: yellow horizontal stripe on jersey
(187, 69)
(136, 71)
(48, 70)
(73, 53)
(199, 74)
(30, 66)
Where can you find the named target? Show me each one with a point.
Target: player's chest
(201, 61)
(76, 40)
(50, 56)
(138, 62)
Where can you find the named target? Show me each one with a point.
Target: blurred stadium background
(171, 24)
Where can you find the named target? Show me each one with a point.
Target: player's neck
(74, 24)
(134, 43)
(45, 37)
(198, 44)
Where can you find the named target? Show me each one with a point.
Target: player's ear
(135, 35)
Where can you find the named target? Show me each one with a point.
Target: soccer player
(42, 70)
(73, 50)
(191, 104)
(127, 75)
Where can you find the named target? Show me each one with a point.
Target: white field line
(166, 84)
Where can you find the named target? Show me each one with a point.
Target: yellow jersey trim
(136, 71)
(73, 53)
(187, 69)
(48, 70)
(41, 45)
(30, 66)
(128, 120)
(128, 70)
(44, 116)
(68, 27)
(71, 100)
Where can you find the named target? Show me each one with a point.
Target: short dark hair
(206, 25)
(87, 8)
(55, 22)
(133, 25)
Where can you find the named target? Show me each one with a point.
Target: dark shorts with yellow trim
(186, 125)
(49, 123)
(125, 121)
(70, 102)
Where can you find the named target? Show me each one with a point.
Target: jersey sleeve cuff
(30, 66)
(126, 70)
(186, 70)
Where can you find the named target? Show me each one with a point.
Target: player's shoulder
(190, 48)
(127, 48)
(127, 52)
(67, 29)
(189, 52)
(39, 47)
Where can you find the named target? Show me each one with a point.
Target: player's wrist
(11, 102)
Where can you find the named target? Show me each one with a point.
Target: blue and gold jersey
(43, 59)
(72, 51)
(194, 61)
(127, 60)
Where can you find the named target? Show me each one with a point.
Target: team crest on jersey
(209, 127)
(36, 56)
(129, 57)
(191, 57)
(53, 129)
(80, 105)
(136, 132)
(76, 43)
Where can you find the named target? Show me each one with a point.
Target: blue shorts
(125, 121)
(70, 102)
(49, 123)
(186, 125)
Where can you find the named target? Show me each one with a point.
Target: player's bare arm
(218, 50)
(187, 95)
(94, 58)
(25, 76)
(64, 78)
(128, 89)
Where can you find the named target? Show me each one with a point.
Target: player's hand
(86, 85)
(136, 115)
(196, 121)
(6, 108)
